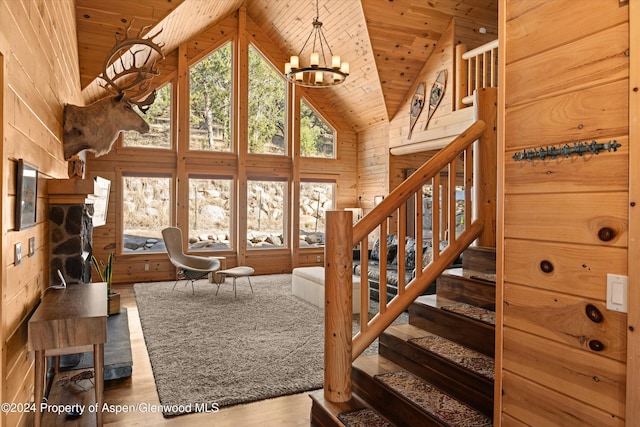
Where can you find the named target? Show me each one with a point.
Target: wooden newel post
(338, 311)
(485, 168)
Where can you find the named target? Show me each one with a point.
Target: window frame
(316, 179)
(122, 173)
(288, 151)
(304, 99)
(286, 221)
(233, 217)
(233, 125)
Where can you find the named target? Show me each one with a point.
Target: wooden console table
(71, 320)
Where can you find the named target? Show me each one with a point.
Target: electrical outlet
(146, 267)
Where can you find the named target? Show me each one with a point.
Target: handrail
(480, 71)
(340, 348)
(480, 49)
(424, 173)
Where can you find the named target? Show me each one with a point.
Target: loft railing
(475, 69)
(445, 183)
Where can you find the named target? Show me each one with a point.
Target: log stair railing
(341, 348)
(475, 69)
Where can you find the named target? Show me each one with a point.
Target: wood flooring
(288, 411)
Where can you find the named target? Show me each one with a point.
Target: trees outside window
(210, 83)
(266, 213)
(149, 198)
(210, 213)
(146, 206)
(317, 138)
(316, 198)
(159, 118)
(267, 107)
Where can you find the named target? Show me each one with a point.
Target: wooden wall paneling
(633, 327)
(575, 271)
(583, 55)
(468, 32)
(571, 66)
(530, 404)
(568, 217)
(38, 73)
(441, 131)
(442, 58)
(606, 171)
(18, 384)
(529, 24)
(580, 375)
(7, 204)
(16, 310)
(212, 38)
(599, 113)
(373, 165)
(566, 320)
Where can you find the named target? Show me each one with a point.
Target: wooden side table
(71, 320)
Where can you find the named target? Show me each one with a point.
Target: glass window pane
(266, 204)
(210, 83)
(317, 138)
(146, 210)
(210, 209)
(266, 107)
(159, 118)
(316, 198)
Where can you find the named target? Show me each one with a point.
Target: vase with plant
(105, 271)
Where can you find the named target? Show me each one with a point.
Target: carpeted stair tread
(440, 405)
(469, 359)
(363, 417)
(472, 311)
(488, 278)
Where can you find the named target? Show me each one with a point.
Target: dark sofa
(373, 266)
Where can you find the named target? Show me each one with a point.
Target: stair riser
(389, 403)
(467, 291)
(454, 380)
(467, 332)
(480, 259)
(320, 418)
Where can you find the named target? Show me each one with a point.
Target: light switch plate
(18, 253)
(617, 292)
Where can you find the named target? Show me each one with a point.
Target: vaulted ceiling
(387, 42)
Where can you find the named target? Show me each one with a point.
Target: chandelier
(315, 75)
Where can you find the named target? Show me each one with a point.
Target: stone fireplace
(70, 230)
(70, 242)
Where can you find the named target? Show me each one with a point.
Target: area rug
(208, 351)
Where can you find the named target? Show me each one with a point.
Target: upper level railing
(475, 69)
(443, 186)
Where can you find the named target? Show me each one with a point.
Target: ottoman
(308, 283)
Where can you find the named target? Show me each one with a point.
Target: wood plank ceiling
(387, 42)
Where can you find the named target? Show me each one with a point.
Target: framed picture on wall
(26, 195)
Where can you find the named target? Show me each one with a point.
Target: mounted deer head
(127, 73)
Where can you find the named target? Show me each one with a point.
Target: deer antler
(123, 73)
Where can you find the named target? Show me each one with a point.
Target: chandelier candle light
(314, 75)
